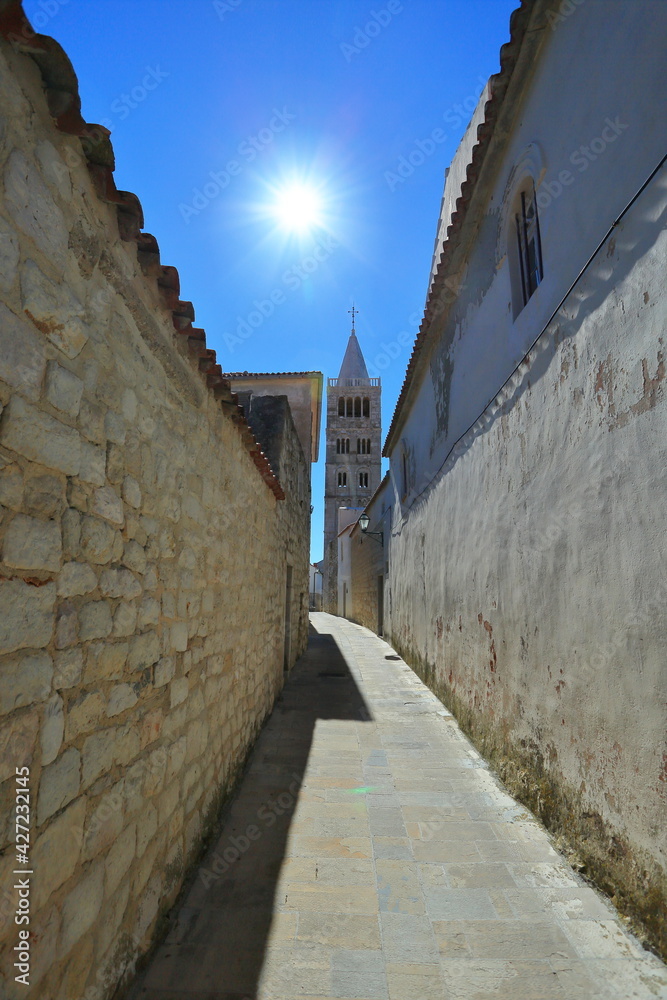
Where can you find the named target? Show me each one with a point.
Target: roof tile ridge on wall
(266, 374)
(64, 103)
(498, 84)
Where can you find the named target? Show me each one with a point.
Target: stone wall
(143, 544)
(330, 577)
(369, 557)
(367, 565)
(271, 419)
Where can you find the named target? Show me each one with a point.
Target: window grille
(529, 245)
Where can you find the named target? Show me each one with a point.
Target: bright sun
(297, 208)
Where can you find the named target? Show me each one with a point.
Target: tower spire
(353, 366)
(353, 463)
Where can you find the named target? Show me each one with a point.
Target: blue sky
(215, 105)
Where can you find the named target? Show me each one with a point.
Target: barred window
(529, 245)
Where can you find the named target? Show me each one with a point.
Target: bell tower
(353, 451)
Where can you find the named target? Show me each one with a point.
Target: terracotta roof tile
(62, 94)
(269, 374)
(499, 83)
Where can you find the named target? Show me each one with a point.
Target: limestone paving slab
(370, 854)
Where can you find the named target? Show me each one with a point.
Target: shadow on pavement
(215, 948)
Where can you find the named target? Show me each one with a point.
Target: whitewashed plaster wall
(527, 569)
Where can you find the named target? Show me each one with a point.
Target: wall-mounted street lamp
(364, 521)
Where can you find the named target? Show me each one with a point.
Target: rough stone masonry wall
(271, 419)
(142, 564)
(367, 557)
(293, 517)
(330, 578)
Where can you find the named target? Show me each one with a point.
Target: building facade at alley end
(523, 517)
(154, 547)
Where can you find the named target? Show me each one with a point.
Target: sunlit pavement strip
(405, 873)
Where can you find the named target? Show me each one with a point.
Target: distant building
(315, 595)
(283, 412)
(304, 392)
(369, 561)
(353, 453)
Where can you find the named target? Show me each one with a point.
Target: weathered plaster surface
(528, 581)
(527, 578)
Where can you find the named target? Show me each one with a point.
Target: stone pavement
(370, 854)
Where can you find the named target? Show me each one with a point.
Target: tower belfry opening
(353, 453)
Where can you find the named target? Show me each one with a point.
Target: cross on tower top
(354, 312)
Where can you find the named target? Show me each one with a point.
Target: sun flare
(297, 208)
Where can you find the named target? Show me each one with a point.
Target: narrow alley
(369, 853)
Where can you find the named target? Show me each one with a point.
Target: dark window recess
(529, 245)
